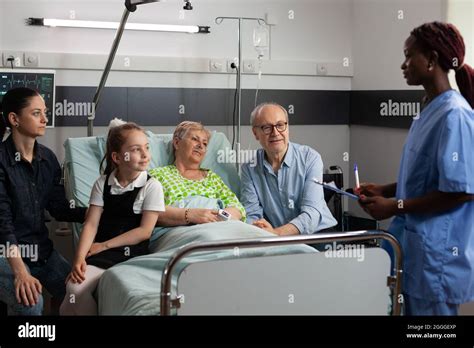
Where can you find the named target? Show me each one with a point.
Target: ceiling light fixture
(70, 23)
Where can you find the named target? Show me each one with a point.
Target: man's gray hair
(259, 108)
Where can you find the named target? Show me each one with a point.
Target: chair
(333, 200)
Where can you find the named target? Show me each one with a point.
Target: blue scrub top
(438, 248)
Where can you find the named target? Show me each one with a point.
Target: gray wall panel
(169, 106)
(366, 107)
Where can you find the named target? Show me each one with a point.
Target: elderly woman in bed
(193, 195)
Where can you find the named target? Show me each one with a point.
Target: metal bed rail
(393, 281)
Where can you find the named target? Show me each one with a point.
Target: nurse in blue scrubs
(434, 204)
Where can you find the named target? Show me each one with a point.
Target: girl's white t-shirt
(150, 196)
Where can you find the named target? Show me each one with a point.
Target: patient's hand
(96, 248)
(265, 225)
(202, 216)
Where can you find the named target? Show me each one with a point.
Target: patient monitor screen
(39, 80)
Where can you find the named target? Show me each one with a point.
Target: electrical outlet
(16, 56)
(31, 59)
(216, 65)
(229, 64)
(249, 66)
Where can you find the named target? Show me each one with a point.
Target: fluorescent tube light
(51, 22)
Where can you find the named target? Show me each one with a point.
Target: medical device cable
(259, 78)
(234, 116)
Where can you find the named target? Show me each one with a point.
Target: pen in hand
(356, 173)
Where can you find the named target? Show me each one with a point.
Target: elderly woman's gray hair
(184, 127)
(258, 110)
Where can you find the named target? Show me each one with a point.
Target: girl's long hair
(115, 139)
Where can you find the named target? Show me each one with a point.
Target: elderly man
(278, 192)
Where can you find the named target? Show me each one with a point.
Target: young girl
(123, 211)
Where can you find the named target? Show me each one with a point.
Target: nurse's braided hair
(115, 139)
(447, 41)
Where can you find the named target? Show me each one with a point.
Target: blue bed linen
(133, 287)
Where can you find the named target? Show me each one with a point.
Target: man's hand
(378, 207)
(27, 289)
(265, 225)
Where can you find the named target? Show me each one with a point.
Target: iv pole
(130, 6)
(218, 21)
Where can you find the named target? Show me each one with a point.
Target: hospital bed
(234, 268)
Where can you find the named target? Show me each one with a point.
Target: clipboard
(335, 189)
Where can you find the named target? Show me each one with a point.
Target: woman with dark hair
(30, 178)
(434, 204)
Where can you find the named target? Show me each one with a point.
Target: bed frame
(301, 284)
(306, 283)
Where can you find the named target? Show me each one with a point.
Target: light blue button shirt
(438, 248)
(290, 195)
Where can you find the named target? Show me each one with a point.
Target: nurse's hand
(378, 207)
(369, 190)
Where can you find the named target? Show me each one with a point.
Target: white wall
(378, 40)
(1, 28)
(290, 36)
(303, 37)
(461, 13)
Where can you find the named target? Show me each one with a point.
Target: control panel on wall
(39, 80)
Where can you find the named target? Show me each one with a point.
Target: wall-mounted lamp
(68, 23)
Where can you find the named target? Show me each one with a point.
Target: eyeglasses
(268, 128)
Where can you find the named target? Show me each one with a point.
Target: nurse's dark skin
(419, 68)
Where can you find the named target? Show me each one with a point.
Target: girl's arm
(88, 233)
(132, 237)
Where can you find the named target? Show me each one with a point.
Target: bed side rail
(394, 281)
